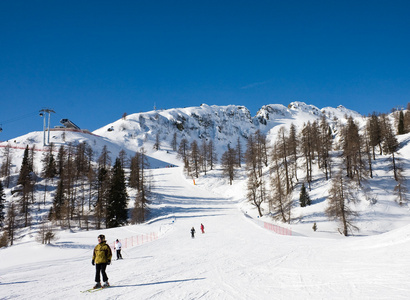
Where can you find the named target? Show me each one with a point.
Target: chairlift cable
(17, 118)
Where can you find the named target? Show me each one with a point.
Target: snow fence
(143, 238)
(136, 240)
(24, 148)
(269, 226)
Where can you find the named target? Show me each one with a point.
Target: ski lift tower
(43, 113)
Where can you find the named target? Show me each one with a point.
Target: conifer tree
(157, 143)
(368, 153)
(80, 180)
(304, 198)
(307, 150)
(26, 182)
(90, 173)
(2, 206)
(375, 133)
(5, 170)
(104, 160)
(58, 202)
(183, 153)
(90, 181)
(117, 213)
(315, 139)
(49, 163)
(255, 159)
(103, 177)
(325, 146)
(80, 161)
(228, 161)
(11, 223)
(338, 204)
(31, 155)
(134, 179)
(194, 159)
(407, 120)
(49, 168)
(122, 155)
(352, 152)
(212, 156)
(102, 186)
(203, 154)
(400, 190)
(46, 233)
(141, 200)
(239, 153)
(280, 201)
(390, 146)
(282, 154)
(25, 168)
(174, 142)
(61, 156)
(293, 143)
(400, 129)
(262, 149)
(4, 239)
(69, 177)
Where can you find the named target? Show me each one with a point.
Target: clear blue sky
(91, 61)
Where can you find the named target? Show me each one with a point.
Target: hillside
(237, 257)
(224, 125)
(234, 259)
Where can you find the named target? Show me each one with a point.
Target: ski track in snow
(234, 259)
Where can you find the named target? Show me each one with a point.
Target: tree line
(343, 153)
(88, 192)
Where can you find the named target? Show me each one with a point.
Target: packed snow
(234, 259)
(237, 257)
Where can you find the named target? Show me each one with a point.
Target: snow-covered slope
(221, 124)
(224, 125)
(234, 259)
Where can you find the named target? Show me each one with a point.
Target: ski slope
(234, 259)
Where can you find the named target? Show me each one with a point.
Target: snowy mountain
(222, 124)
(238, 257)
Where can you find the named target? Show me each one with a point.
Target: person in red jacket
(202, 228)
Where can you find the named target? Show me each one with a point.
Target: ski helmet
(101, 237)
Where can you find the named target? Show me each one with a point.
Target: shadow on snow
(159, 282)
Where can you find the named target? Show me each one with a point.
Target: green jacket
(102, 253)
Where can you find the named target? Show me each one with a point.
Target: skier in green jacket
(101, 258)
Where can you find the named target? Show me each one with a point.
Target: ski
(95, 290)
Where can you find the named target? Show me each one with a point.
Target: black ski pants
(100, 268)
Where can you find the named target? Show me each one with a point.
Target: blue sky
(91, 61)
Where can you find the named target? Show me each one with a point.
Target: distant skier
(118, 249)
(193, 232)
(101, 258)
(202, 228)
